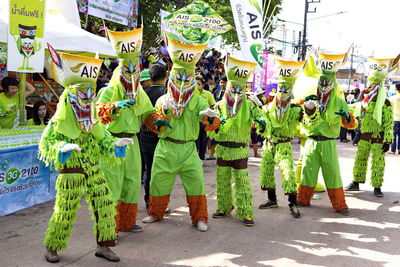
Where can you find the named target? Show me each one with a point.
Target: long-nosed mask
(78, 75)
(237, 72)
(288, 72)
(329, 64)
(378, 70)
(127, 46)
(181, 83)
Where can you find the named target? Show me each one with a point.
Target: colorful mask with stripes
(181, 83)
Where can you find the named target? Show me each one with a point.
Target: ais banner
(24, 180)
(196, 23)
(26, 36)
(248, 21)
(120, 11)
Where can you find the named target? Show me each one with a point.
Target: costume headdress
(181, 83)
(76, 108)
(237, 72)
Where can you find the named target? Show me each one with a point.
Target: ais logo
(285, 72)
(128, 47)
(377, 67)
(87, 71)
(186, 57)
(241, 73)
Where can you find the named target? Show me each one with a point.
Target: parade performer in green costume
(176, 151)
(376, 126)
(282, 118)
(320, 148)
(123, 108)
(72, 143)
(237, 116)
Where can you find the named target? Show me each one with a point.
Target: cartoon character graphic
(27, 45)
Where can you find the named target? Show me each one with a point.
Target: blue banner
(24, 180)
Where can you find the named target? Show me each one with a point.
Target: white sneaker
(202, 226)
(149, 219)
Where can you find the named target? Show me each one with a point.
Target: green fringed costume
(74, 123)
(232, 137)
(282, 119)
(376, 124)
(320, 147)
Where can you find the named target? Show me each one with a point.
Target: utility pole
(351, 67)
(306, 11)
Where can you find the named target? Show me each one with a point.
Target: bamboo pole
(48, 85)
(22, 89)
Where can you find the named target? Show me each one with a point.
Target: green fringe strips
(243, 193)
(267, 178)
(227, 153)
(224, 189)
(370, 125)
(284, 158)
(288, 128)
(92, 149)
(310, 123)
(282, 155)
(361, 161)
(378, 165)
(70, 188)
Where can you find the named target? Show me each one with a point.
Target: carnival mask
(129, 77)
(326, 83)
(329, 64)
(238, 72)
(78, 76)
(378, 69)
(288, 72)
(181, 83)
(83, 106)
(127, 46)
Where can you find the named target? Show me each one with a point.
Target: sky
(372, 25)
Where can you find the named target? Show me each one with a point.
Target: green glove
(344, 115)
(311, 97)
(262, 123)
(160, 123)
(125, 104)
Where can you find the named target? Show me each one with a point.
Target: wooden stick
(48, 85)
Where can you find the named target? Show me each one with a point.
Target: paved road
(369, 236)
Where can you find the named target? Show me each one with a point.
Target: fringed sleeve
(211, 124)
(50, 146)
(107, 112)
(353, 124)
(152, 117)
(388, 124)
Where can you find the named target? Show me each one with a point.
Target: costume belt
(73, 170)
(320, 138)
(177, 141)
(232, 144)
(278, 142)
(123, 135)
(373, 140)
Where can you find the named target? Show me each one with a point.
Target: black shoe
(268, 205)
(248, 221)
(343, 211)
(51, 256)
(378, 192)
(294, 211)
(136, 229)
(353, 186)
(218, 214)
